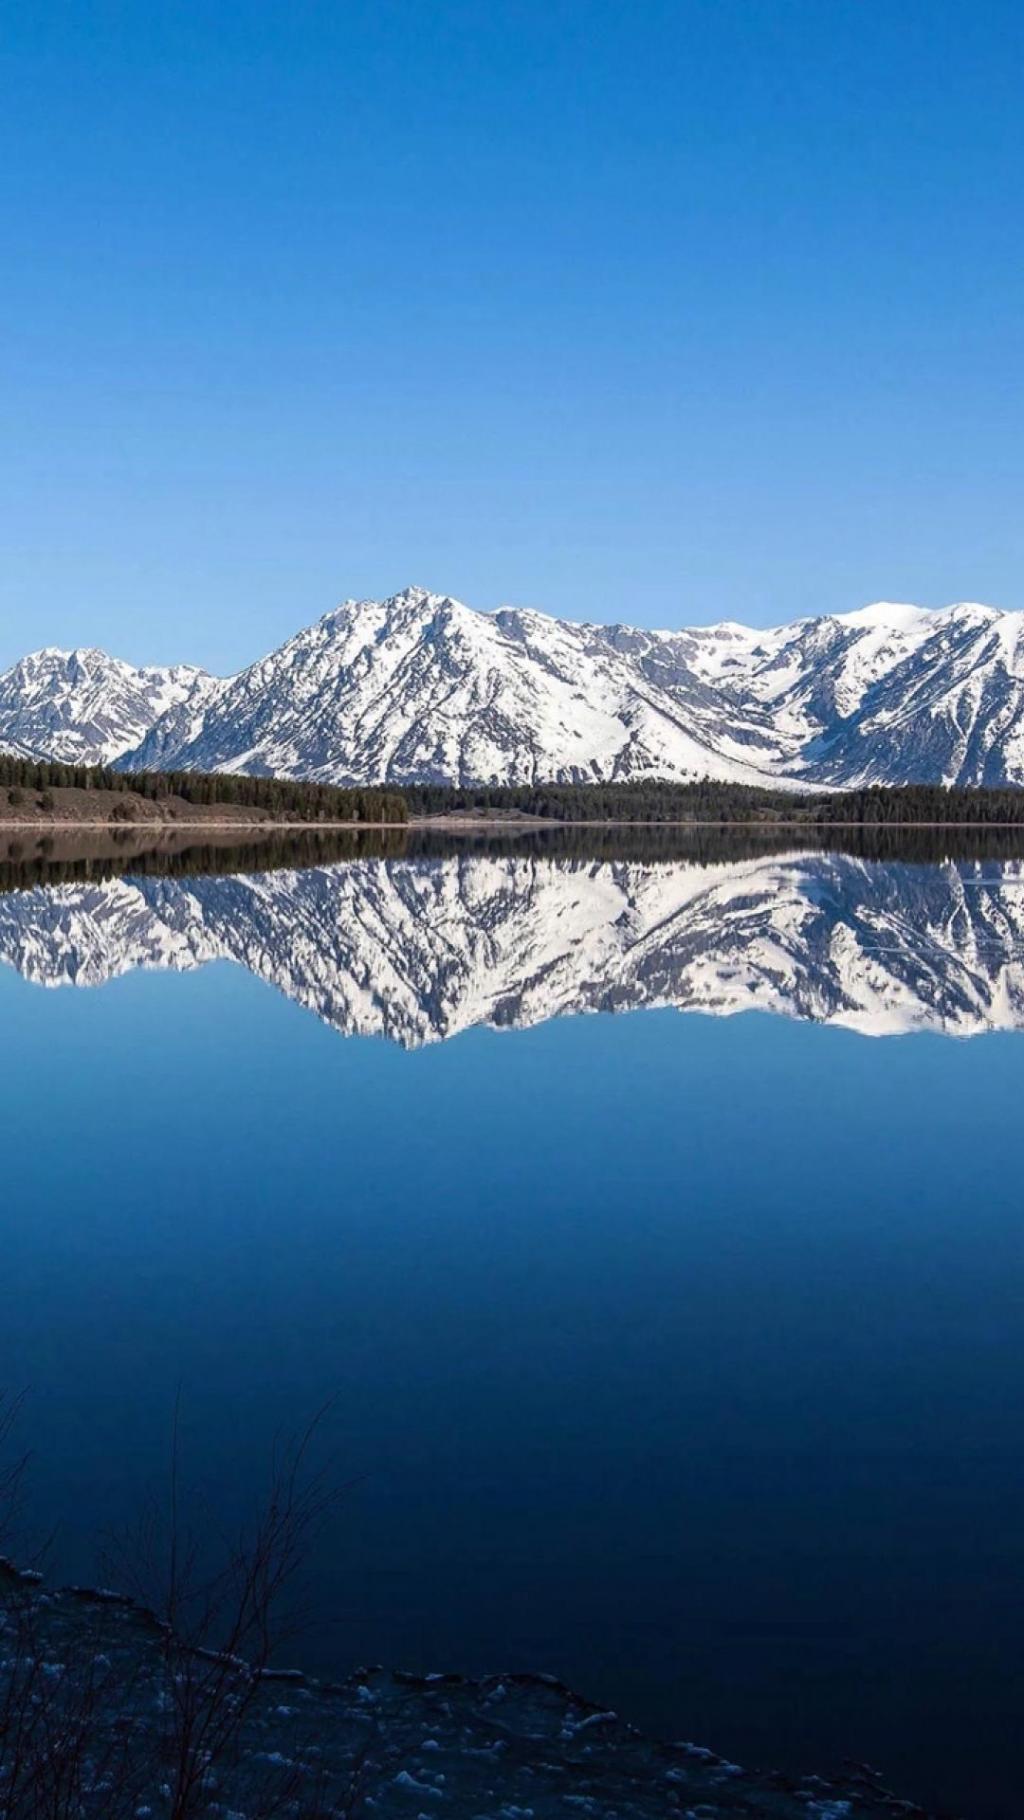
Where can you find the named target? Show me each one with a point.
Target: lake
(653, 1221)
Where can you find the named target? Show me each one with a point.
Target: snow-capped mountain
(890, 694)
(83, 707)
(418, 950)
(420, 688)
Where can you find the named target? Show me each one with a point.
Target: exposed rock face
(421, 688)
(417, 950)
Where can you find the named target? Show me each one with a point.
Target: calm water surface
(679, 1355)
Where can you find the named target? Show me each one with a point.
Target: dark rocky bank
(384, 1745)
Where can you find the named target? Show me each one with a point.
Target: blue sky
(663, 312)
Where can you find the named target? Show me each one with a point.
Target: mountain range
(419, 950)
(422, 689)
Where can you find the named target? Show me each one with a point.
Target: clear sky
(663, 311)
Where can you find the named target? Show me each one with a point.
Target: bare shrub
(71, 1741)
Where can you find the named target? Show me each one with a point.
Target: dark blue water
(681, 1356)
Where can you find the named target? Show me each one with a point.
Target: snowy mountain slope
(418, 950)
(83, 707)
(890, 694)
(951, 708)
(420, 688)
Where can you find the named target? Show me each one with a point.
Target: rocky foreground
(384, 1745)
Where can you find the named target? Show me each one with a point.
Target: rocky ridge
(420, 688)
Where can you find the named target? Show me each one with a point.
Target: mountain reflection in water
(422, 945)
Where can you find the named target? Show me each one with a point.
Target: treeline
(45, 860)
(708, 801)
(23, 866)
(711, 844)
(702, 801)
(294, 798)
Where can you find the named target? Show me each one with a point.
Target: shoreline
(517, 1742)
(530, 824)
(154, 824)
(453, 825)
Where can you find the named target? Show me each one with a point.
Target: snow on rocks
(421, 1745)
(421, 688)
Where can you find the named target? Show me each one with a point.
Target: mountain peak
(51, 655)
(84, 706)
(419, 688)
(887, 616)
(412, 597)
